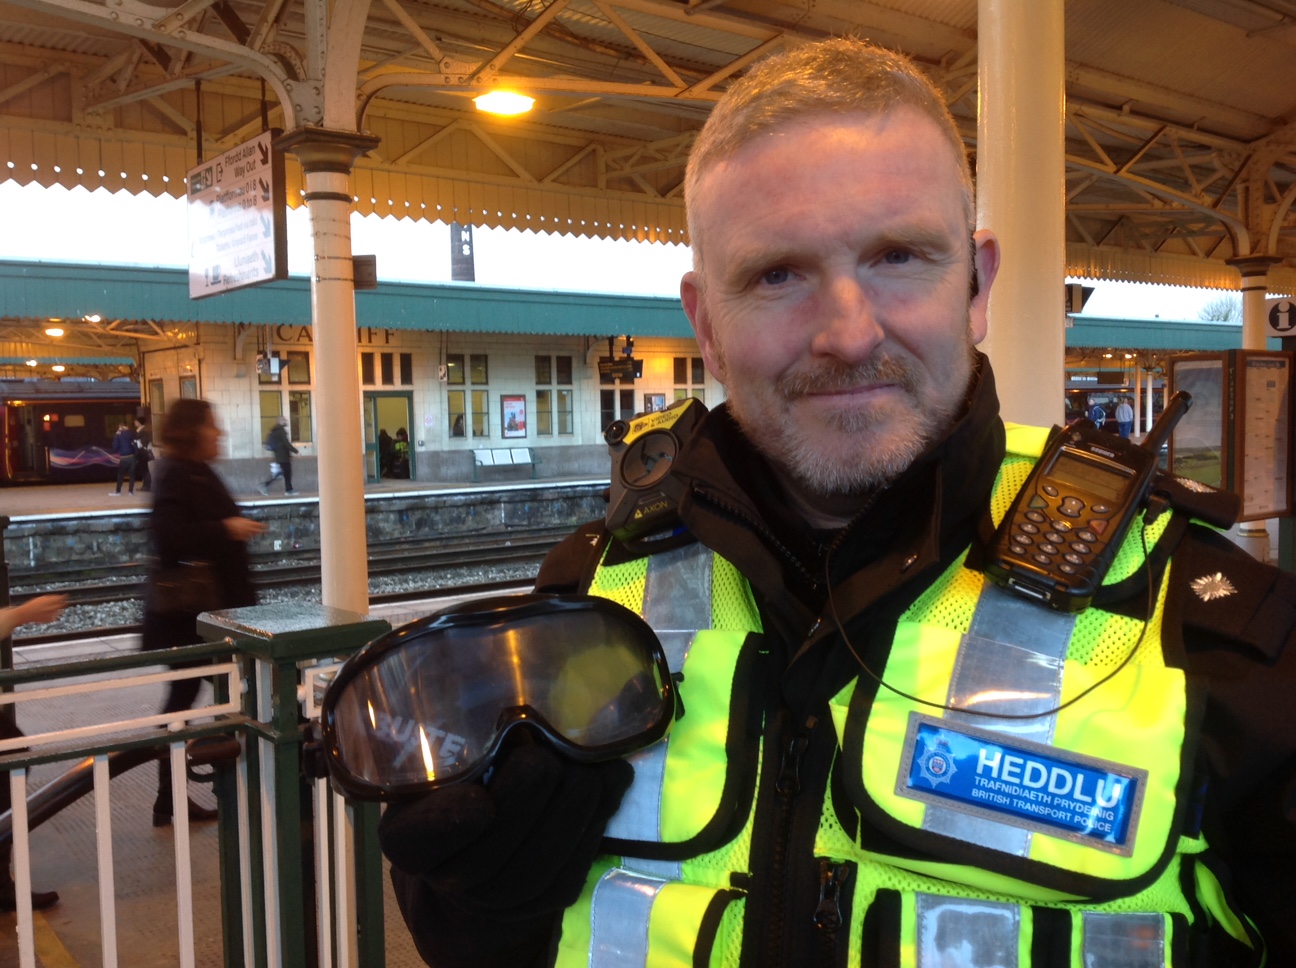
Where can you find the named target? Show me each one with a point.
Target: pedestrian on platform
(196, 528)
(143, 455)
(278, 442)
(1124, 418)
(123, 447)
(880, 757)
(43, 608)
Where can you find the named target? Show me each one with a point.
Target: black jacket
(877, 566)
(277, 440)
(189, 504)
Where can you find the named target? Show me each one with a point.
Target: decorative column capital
(326, 149)
(1254, 265)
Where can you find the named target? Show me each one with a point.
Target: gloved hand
(518, 847)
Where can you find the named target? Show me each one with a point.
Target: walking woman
(194, 521)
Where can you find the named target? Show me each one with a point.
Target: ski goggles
(432, 703)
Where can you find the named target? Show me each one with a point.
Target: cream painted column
(1021, 196)
(327, 157)
(1254, 270)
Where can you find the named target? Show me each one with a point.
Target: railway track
(399, 570)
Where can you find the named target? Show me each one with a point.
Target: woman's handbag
(188, 587)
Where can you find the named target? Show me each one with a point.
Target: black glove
(518, 847)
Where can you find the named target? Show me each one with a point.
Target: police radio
(1067, 522)
(644, 496)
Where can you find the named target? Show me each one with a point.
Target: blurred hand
(240, 528)
(518, 847)
(43, 608)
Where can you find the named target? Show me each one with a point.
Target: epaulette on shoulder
(1225, 598)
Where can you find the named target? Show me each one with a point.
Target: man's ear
(695, 308)
(985, 265)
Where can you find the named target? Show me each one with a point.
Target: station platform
(71, 499)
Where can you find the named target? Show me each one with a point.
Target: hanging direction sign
(237, 230)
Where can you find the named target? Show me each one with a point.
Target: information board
(237, 225)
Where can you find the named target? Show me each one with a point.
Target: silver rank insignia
(1210, 587)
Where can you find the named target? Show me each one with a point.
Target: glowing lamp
(504, 102)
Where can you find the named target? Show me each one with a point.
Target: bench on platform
(504, 457)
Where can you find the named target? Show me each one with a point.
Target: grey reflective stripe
(962, 931)
(621, 905)
(1010, 661)
(677, 602)
(1123, 941)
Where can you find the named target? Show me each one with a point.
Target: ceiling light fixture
(505, 103)
(54, 331)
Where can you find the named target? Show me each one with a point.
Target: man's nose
(848, 325)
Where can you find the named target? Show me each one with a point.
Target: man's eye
(897, 257)
(775, 277)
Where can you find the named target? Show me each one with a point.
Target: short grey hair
(843, 75)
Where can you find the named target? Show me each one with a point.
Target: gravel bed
(111, 615)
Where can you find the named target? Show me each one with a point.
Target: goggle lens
(430, 704)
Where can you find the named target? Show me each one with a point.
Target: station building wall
(537, 391)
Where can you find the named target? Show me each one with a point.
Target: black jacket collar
(733, 504)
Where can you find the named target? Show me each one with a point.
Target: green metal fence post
(281, 638)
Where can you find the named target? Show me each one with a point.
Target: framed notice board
(1238, 433)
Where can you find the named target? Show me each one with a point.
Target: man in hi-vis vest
(880, 757)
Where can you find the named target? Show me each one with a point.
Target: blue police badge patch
(1014, 781)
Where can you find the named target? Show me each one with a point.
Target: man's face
(833, 296)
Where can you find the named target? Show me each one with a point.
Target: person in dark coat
(194, 519)
(143, 455)
(123, 446)
(277, 441)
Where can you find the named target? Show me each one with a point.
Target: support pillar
(327, 157)
(1138, 399)
(1021, 196)
(1255, 278)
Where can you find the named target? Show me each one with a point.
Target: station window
(454, 364)
(480, 417)
(690, 378)
(455, 413)
(467, 410)
(188, 388)
(271, 410)
(295, 404)
(387, 369)
(614, 404)
(157, 399)
(299, 415)
(553, 407)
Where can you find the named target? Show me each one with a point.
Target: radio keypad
(1065, 541)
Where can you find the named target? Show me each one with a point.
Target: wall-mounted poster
(654, 402)
(513, 415)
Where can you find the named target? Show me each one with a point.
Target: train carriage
(59, 431)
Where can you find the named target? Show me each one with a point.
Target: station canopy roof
(1179, 144)
(123, 304)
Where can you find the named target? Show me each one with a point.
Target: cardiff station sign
(237, 225)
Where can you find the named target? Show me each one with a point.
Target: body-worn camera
(644, 496)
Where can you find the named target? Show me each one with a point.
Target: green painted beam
(44, 289)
